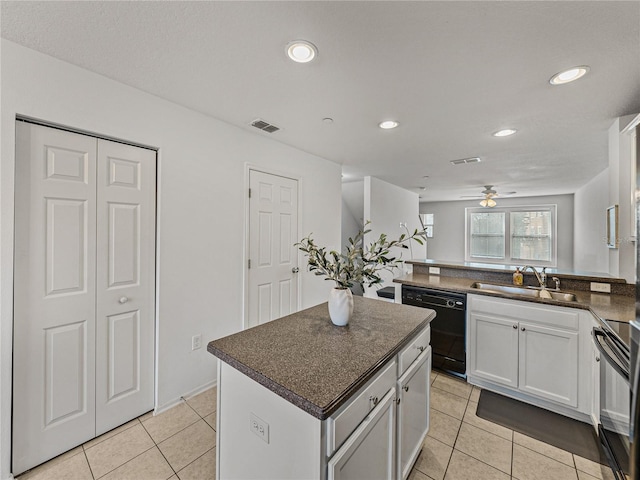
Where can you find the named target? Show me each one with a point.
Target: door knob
(123, 300)
(295, 270)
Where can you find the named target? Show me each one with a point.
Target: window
(512, 235)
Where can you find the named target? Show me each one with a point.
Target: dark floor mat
(557, 430)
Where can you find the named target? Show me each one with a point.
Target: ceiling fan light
(491, 203)
(483, 202)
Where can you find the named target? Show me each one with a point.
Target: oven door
(613, 428)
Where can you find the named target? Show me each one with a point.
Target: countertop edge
(321, 413)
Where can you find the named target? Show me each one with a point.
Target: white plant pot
(340, 306)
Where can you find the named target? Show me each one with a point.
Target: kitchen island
(301, 398)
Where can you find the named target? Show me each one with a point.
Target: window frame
(508, 260)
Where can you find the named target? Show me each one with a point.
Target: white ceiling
(451, 72)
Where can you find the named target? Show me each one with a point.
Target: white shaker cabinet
(369, 451)
(534, 352)
(413, 412)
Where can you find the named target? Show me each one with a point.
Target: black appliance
(612, 341)
(448, 329)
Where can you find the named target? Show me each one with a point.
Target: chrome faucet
(557, 280)
(541, 277)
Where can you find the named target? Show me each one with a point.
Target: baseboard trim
(169, 405)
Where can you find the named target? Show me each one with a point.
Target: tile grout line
(131, 459)
(160, 450)
(84, 452)
(195, 460)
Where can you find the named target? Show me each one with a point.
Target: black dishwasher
(447, 329)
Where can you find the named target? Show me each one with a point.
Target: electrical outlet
(434, 270)
(259, 427)
(601, 287)
(196, 342)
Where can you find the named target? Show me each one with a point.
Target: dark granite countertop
(315, 365)
(605, 306)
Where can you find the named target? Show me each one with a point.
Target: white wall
(352, 210)
(201, 208)
(387, 205)
(448, 239)
(621, 192)
(590, 251)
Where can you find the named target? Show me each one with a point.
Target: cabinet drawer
(347, 419)
(413, 350)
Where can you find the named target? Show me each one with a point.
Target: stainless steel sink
(528, 292)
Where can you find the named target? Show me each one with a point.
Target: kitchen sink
(528, 292)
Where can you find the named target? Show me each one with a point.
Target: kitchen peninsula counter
(605, 306)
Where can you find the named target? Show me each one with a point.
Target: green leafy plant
(357, 265)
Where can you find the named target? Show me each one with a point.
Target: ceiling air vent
(262, 125)
(465, 161)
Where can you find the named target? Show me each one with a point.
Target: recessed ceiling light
(504, 133)
(569, 75)
(301, 51)
(387, 124)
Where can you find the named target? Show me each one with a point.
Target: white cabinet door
(548, 363)
(126, 179)
(413, 412)
(493, 349)
(369, 453)
(273, 230)
(54, 310)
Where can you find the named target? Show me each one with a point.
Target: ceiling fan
(488, 195)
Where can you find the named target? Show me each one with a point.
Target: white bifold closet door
(84, 285)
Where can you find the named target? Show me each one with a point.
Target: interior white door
(273, 230)
(84, 289)
(54, 301)
(126, 187)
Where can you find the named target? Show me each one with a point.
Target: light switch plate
(434, 270)
(601, 287)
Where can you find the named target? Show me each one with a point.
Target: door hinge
(249, 263)
(249, 193)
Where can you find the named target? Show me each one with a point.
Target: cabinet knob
(406, 388)
(398, 401)
(515, 326)
(598, 358)
(421, 348)
(123, 300)
(374, 400)
(522, 329)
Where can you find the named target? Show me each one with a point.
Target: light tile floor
(463, 446)
(179, 444)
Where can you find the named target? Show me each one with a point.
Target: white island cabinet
(328, 414)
